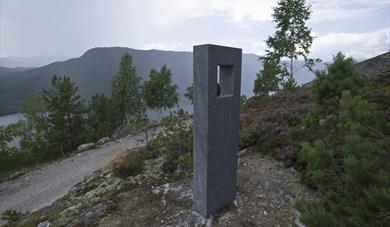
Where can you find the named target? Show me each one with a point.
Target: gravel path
(41, 187)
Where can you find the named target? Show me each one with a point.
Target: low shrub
(130, 164)
(11, 215)
(174, 142)
(139, 203)
(13, 158)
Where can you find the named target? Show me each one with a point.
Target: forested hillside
(94, 70)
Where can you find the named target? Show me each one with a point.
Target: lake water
(13, 118)
(10, 119)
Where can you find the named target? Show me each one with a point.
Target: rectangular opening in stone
(225, 80)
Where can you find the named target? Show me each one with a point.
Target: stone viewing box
(217, 82)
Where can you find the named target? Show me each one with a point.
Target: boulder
(86, 146)
(103, 140)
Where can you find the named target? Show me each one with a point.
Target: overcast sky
(68, 28)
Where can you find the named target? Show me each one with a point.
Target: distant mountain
(16, 69)
(5, 71)
(374, 66)
(93, 72)
(28, 62)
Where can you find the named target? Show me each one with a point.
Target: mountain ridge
(93, 72)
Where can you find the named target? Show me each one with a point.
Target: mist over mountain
(94, 70)
(28, 62)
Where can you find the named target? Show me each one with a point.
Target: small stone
(241, 152)
(235, 203)
(226, 217)
(44, 224)
(156, 191)
(90, 215)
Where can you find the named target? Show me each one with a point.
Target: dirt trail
(41, 187)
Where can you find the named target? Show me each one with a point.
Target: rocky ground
(266, 194)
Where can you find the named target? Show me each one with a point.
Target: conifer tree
(7, 153)
(267, 79)
(34, 129)
(290, 84)
(65, 111)
(100, 120)
(190, 93)
(338, 77)
(329, 84)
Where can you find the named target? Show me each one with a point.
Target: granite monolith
(217, 82)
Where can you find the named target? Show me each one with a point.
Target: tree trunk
(70, 129)
(146, 136)
(291, 67)
(159, 115)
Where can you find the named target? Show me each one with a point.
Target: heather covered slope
(275, 124)
(336, 131)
